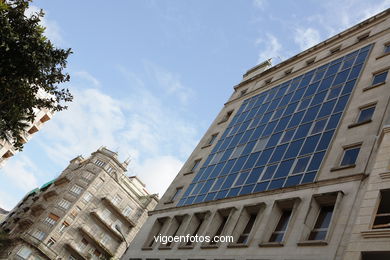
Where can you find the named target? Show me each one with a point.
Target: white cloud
(259, 3)
(306, 38)
(52, 31)
(270, 48)
(7, 201)
(154, 134)
(87, 76)
(158, 172)
(21, 172)
(336, 17)
(170, 83)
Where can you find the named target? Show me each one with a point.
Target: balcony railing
(38, 244)
(103, 222)
(74, 250)
(118, 211)
(92, 237)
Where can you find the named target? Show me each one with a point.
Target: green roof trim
(47, 184)
(33, 191)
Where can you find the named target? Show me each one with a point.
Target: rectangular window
(87, 196)
(106, 239)
(221, 226)
(157, 227)
(212, 139)
(226, 117)
(76, 189)
(100, 163)
(350, 156)
(51, 242)
(363, 36)
(38, 234)
(87, 176)
(196, 164)
(63, 226)
(286, 72)
(387, 48)
(106, 214)
(117, 199)
(195, 225)
(83, 244)
(335, 49)
(243, 92)
(382, 217)
(64, 204)
(243, 238)
(51, 219)
(177, 192)
(24, 252)
(366, 114)
(127, 211)
(310, 61)
(322, 223)
(281, 227)
(110, 169)
(75, 212)
(379, 78)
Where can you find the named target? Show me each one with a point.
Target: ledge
(313, 243)
(383, 55)
(209, 246)
(186, 247)
(339, 168)
(188, 173)
(168, 202)
(205, 146)
(237, 246)
(164, 248)
(385, 175)
(146, 248)
(374, 86)
(360, 123)
(271, 244)
(95, 241)
(376, 233)
(223, 121)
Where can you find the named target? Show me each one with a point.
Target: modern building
(91, 211)
(3, 214)
(295, 166)
(7, 149)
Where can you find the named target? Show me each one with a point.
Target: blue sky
(150, 76)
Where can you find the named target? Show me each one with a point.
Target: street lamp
(118, 228)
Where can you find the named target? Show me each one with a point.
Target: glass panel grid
(279, 137)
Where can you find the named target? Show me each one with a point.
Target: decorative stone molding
(376, 233)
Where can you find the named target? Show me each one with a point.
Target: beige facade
(91, 211)
(3, 214)
(7, 150)
(342, 214)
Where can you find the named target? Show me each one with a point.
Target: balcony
(62, 180)
(107, 226)
(74, 251)
(49, 194)
(118, 211)
(37, 209)
(91, 237)
(39, 245)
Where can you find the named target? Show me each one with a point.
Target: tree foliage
(29, 63)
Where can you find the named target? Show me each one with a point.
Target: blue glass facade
(279, 137)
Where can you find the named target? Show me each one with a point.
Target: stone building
(7, 150)
(295, 165)
(91, 211)
(3, 214)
